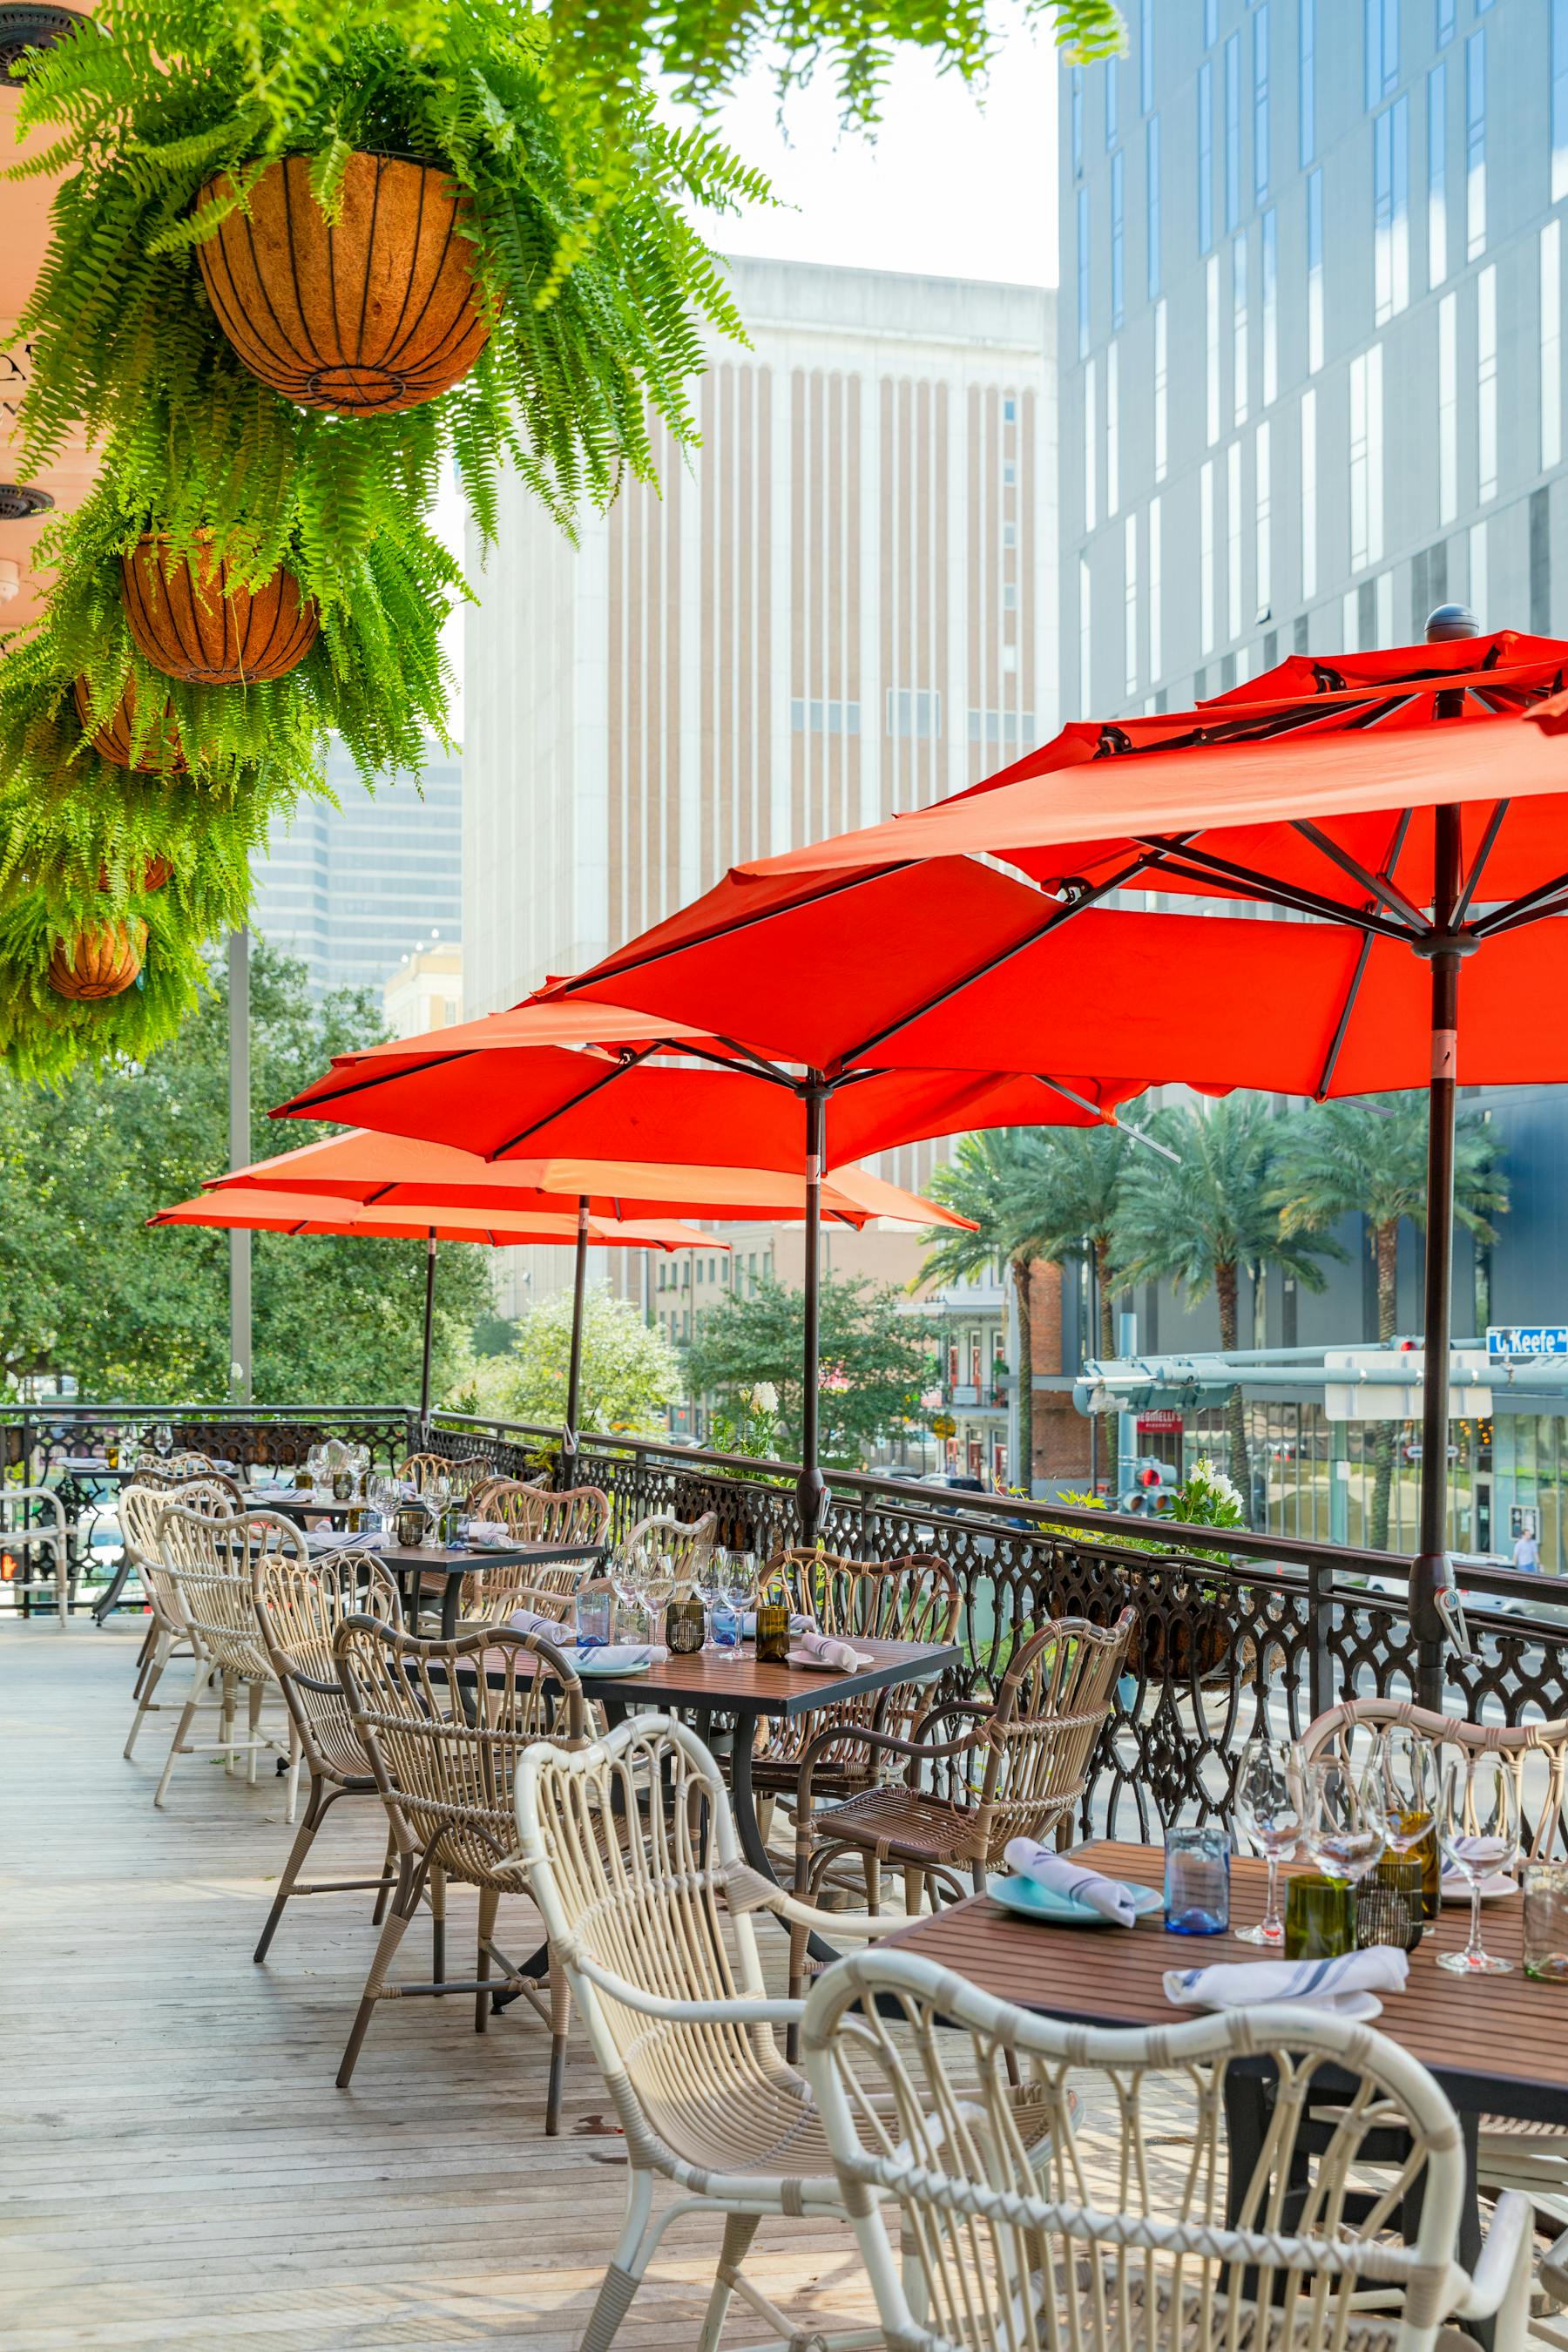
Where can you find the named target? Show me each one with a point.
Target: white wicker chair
(141, 1508)
(1119, 2239)
(633, 1858)
(32, 1518)
(208, 1561)
(1530, 2157)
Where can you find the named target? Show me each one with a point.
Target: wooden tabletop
(437, 1560)
(739, 1682)
(1499, 2045)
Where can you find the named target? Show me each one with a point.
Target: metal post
(429, 1329)
(1091, 1294)
(574, 1366)
(240, 1356)
(811, 1494)
(1431, 1573)
(1126, 1422)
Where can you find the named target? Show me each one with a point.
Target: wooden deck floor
(179, 2170)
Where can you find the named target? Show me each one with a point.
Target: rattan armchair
(300, 1606)
(534, 1514)
(142, 1505)
(633, 1858)
(32, 1520)
(1131, 2235)
(208, 1562)
(445, 1726)
(462, 1473)
(1018, 1766)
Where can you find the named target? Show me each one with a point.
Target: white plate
(826, 1666)
(1495, 1889)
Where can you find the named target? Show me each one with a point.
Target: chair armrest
(682, 2012)
(1553, 2270)
(1503, 2262)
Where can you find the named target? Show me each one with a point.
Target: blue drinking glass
(1197, 1881)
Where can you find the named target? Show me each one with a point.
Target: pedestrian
(1526, 1549)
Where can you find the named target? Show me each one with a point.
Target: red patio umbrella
(1391, 799)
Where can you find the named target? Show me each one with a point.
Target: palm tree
(1068, 1185)
(1202, 1222)
(982, 1183)
(1368, 1157)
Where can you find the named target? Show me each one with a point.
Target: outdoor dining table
(1497, 2045)
(411, 1564)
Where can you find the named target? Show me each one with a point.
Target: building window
(1240, 370)
(1551, 346)
(1211, 23)
(1559, 100)
(1437, 174)
(1010, 596)
(1447, 409)
(914, 711)
(1146, 54)
(1112, 95)
(1162, 392)
(1446, 12)
(1263, 516)
(1091, 449)
(1205, 557)
(1002, 726)
(1075, 81)
(1260, 103)
(1117, 283)
(1206, 157)
(1009, 534)
(1475, 145)
(1541, 562)
(1085, 646)
(1306, 80)
(1112, 427)
(1156, 632)
(1233, 540)
(1211, 344)
(1485, 384)
(1083, 287)
(1366, 459)
(1309, 497)
(1381, 21)
(1314, 271)
(1390, 211)
(1130, 600)
(1009, 412)
(1152, 196)
(1270, 311)
(1009, 473)
(814, 717)
(1232, 131)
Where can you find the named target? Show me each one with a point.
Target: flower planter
(377, 311)
(201, 630)
(102, 961)
(1195, 1645)
(160, 755)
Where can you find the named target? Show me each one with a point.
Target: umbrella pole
(810, 1495)
(574, 1366)
(1432, 1574)
(429, 1326)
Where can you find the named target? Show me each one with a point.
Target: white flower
(764, 1398)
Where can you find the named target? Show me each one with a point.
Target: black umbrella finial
(1450, 621)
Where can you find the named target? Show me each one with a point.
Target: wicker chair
(1122, 2239)
(23, 1531)
(176, 1467)
(1019, 1769)
(486, 1494)
(298, 1608)
(143, 1504)
(535, 1515)
(653, 1923)
(208, 1564)
(445, 1759)
(462, 1473)
(1528, 2157)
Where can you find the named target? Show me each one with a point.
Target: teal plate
(590, 1666)
(1032, 1902)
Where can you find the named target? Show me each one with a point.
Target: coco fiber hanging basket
(192, 624)
(377, 311)
(161, 754)
(100, 961)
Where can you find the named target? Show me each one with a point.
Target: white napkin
(827, 1652)
(334, 1539)
(489, 1531)
(616, 1657)
(749, 1624)
(1060, 1874)
(533, 1621)
(1313, 1984)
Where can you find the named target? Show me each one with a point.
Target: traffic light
(1149, 1474)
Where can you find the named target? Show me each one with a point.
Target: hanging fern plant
(145, 955)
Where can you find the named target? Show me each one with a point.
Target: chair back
(633, 1862)
(300, 1605)
(1537, 1754)
(915, 1599)
(1044, 1727)
(534, 1514)
(209, 1562)
(687, 1542)
(140, 1511)
(445, 1726)
(486, 1494)
(177, 1468)
(1113, 2231)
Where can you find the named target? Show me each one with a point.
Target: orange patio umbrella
(282, 1212)
(1392, 800)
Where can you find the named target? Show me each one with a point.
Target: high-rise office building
(1311, 363)
(354, 889)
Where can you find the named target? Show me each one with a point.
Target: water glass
(1268, 1792)
(1546, 1921)
(1197, 1881)
(1404, 1769)
(736, 1595)
(593, 1607)
(1342, 1827)
(1478, 1828)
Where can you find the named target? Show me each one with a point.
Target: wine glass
(659, 1583)
(384, 1497)
(1405, 1767)
(737, 1594)
(1268, 1808)
(708, 1582)
(1478, 1828)
(1342, 1827)
(627, 1572)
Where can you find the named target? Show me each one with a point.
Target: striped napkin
(1311, 1984)
(323, 1539)
(533, 1621)
(824, 1650)
(1062, 1874)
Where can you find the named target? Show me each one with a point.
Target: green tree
(1209, 1219)
(985, 1181)
(1069, 1181)
(141, 1317)
(1368, 1157)
(629, 1372)
(875, 1355)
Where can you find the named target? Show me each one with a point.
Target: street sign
(1527, 1339)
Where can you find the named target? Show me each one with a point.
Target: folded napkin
(334, 1539)
(616, 1657)
(749, 1624)
(1311, 1984)
(1061, 1873)
(489, 1531)
(533, 1621)
(827, 1652)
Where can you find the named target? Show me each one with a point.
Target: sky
(957, 182)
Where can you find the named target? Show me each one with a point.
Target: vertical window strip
(1559, 101)
(1083, 270)
(1146, 54)
(1162, 392)
(1130, 602)
(1390, 211)
(1241, 372)
(1113, 428)
(1232, 131)
(1113, 94)
(1359, 539)
(1205, 557)
(1085, 645)
(1480, 594)
(1485, 384)
(1447, 409)
(1306, 80)
(1118, 239)
(1090, 450)
(1475, 145)
(1551, 346)
(1438, 173)
(1314, 271)
(1270, 266)
(1075, 105)
(1308, 496)
(1263, 520)
(1156, 633)
(1206, 155)
(1232, 527)
(1152, 197)
(1211, 347)
(1260, 103)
